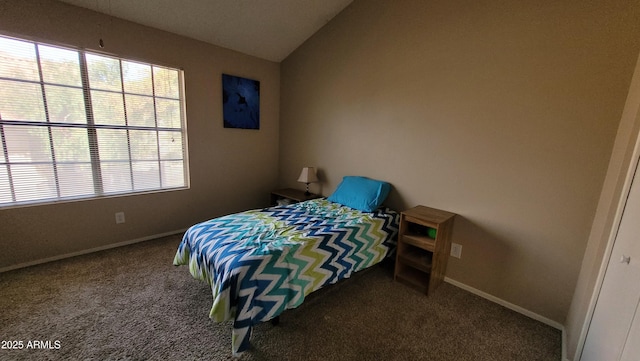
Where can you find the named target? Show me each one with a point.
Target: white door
(615, 327)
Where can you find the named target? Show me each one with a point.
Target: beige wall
(503, 112)
(219, 158)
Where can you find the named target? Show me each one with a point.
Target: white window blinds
(74, 124)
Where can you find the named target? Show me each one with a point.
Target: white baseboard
(564, 346)
(516, 308)
(87, 251)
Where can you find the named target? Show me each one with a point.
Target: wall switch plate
(456, 250)
(119, 217)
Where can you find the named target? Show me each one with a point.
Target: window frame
(92, 128)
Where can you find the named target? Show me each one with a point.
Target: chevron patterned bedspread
(262, 262)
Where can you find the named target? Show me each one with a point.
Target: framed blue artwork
(240, 102)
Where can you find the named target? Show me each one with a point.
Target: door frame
(620, 201)
(632, 172)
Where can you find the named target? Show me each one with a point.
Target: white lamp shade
(308, 175)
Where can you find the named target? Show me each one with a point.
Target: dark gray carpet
(131, 303)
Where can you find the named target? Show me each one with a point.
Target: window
(75, 124)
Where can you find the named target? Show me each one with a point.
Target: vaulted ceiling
(268, 29)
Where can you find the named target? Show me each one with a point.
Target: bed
(262, 262)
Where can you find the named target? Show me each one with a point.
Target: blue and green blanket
(262, 262)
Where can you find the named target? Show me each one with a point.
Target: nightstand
(292, 195)
(423, 249)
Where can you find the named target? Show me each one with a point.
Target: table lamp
(308, 175)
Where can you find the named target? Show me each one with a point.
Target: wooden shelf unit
(424, 244)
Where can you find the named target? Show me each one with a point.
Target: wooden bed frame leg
(275, 321)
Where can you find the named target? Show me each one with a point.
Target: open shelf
(417, 258)
(420, 241)
(412, 277)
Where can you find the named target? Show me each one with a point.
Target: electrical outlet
(119, 217)
(456, 250)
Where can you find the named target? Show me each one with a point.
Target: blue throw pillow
(361, 193)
